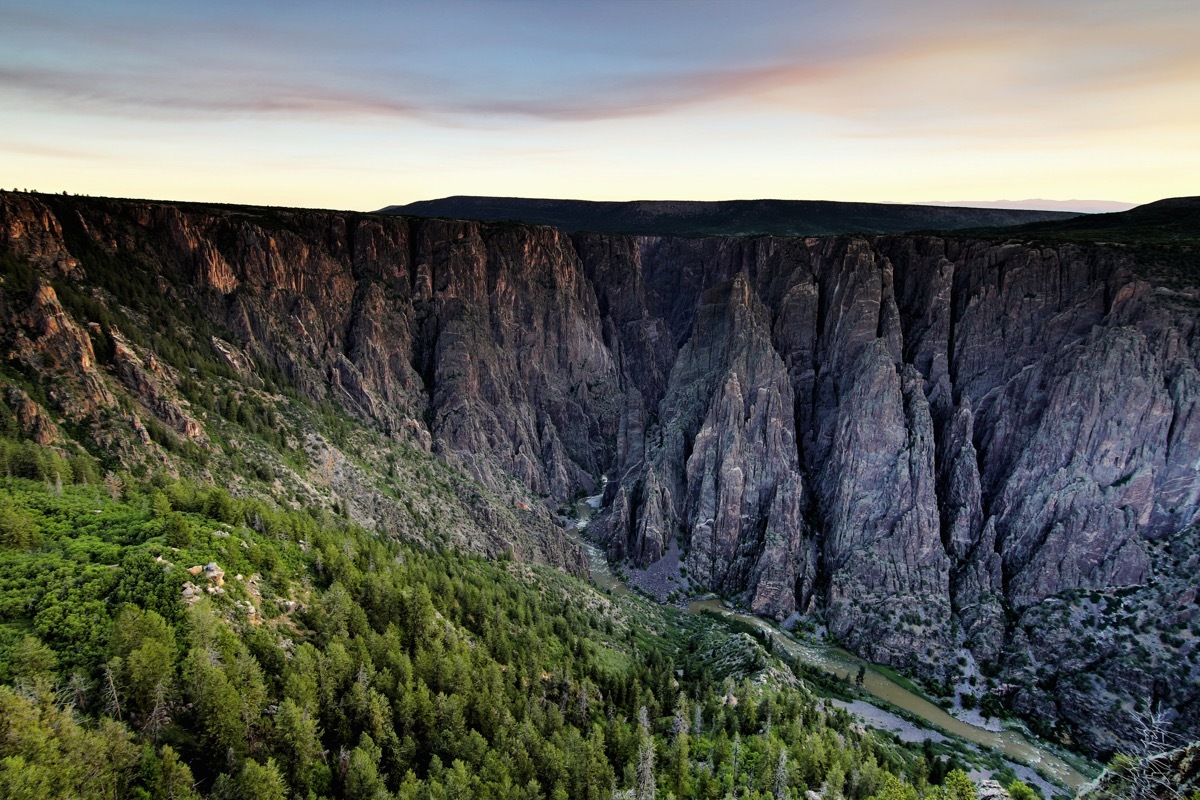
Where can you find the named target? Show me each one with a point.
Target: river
(837, 661)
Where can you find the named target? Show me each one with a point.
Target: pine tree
(1019, 790)
(959, 787)
(680, 724)
(261, 782)
(175, 780)
(646, 787)
(737, 749)
(160, 713)
(112, 697)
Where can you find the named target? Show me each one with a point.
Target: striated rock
(520, 373)
(724, 474)
(959, 419)
(930, 443)
(28, 228)
(1084, 480)
(146, 384)
(743, 455)
(784, 571)
(34, 421)
(888, 572)
(976, 576)
(47, 340)
(236, 361)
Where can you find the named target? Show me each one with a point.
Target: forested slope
(968, 458)
(160, 639)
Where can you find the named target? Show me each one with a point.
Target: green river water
(1011, 743)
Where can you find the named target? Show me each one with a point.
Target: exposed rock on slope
(1163, 776)
(930, 443)
(417, 329)
(981, 430)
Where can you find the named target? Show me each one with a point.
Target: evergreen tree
(894, 789)
(261, 781)
(780, 784)
(174, 780)
(646, 786)
(959, 787)
(1018, 790)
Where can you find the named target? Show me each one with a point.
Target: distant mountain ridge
(723, 217)
(1040, 204)
(1171, 221)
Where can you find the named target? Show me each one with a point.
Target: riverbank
(1022, 754)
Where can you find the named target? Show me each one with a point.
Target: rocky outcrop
(47, 339)
(492, 334)
(723, 472)
(930, 443)
(35, 423)
(145, 380)
(978, 428)
(795, 450)
(992, 790)
(1156, 776)
(520, 377)
(428, 332)
(31, 230)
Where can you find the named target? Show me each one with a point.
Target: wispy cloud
(615, 83)
(193, 97)
(983, 60)
(36, 150)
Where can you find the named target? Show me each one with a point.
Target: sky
(359, 105)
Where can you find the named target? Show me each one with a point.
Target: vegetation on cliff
(163, 639)
(444, 385)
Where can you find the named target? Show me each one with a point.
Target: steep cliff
(481, 349)
(984, 431)
(954, 453)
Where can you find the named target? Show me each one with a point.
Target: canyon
(974, 458)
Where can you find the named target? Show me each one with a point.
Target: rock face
(1157, 776)
(931, 444)
(976, 432)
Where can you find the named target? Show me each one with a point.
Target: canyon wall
(949, 452)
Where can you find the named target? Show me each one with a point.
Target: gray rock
(927, 442)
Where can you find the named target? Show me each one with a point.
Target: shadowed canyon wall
(937, 447)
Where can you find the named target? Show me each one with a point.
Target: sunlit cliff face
(372, 106)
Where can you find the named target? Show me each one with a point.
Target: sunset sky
(365, 104)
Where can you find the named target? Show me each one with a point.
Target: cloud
(23, 148)
(190, 97)
(204, 93)
(975, 69)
